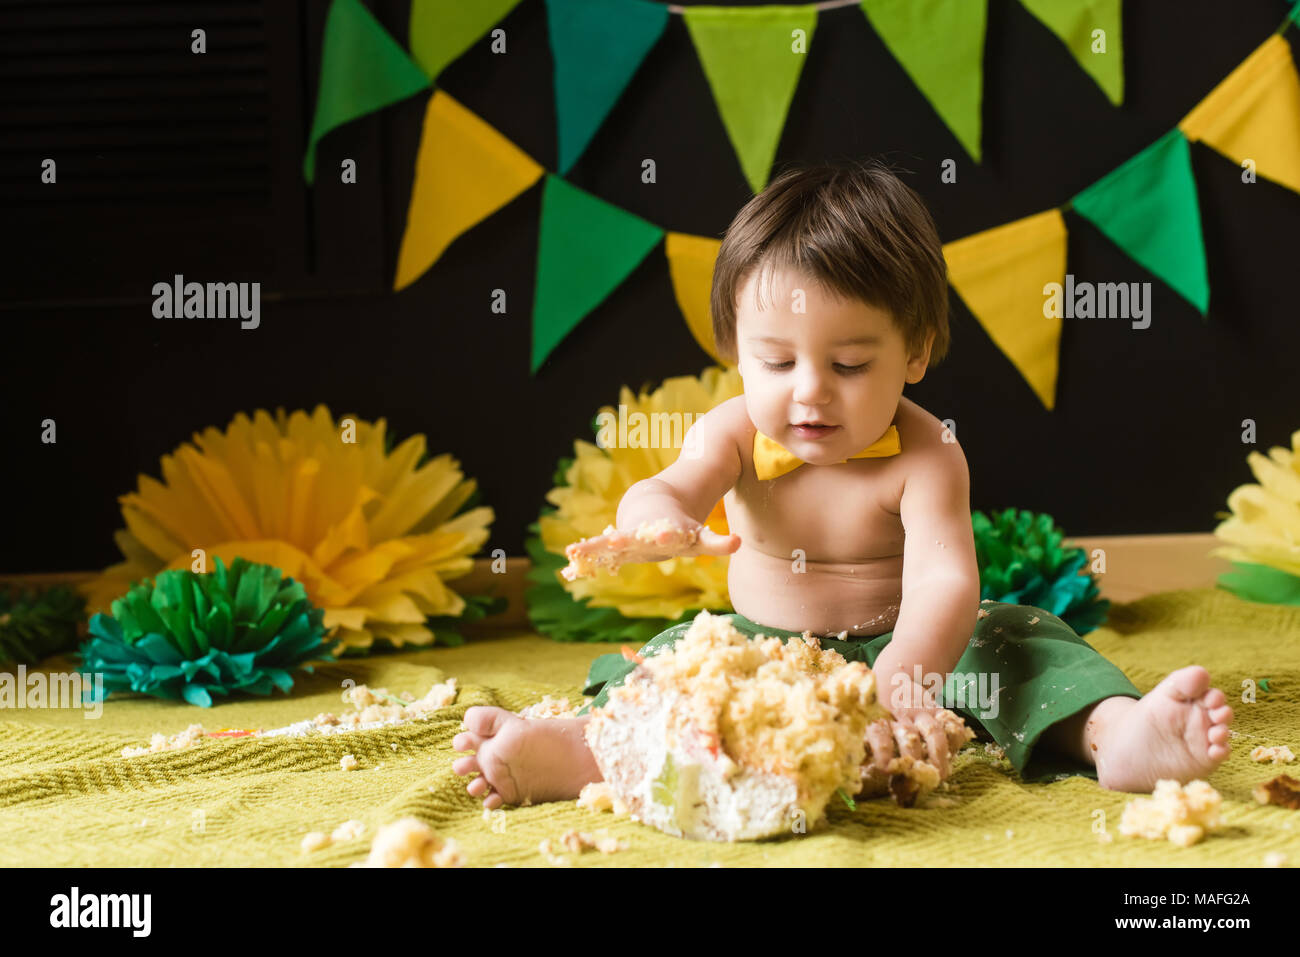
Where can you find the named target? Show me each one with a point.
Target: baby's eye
(775, 366)
(852, 370)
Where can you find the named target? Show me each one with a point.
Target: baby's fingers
(936, 742)
(910, 742)
(711, 543)
(880, 739)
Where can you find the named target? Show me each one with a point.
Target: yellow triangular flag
(465, 172)
(1000, 275)
(690, 264)
(1255, 114)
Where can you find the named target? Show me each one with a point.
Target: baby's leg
(519, 760)
(1177, 730)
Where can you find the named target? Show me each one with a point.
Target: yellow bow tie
(771, 460)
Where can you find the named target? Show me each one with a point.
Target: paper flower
(189, 636)
(1021, 561)
(641, 599)
(34, 626)
(371, 534)
(1263, 529)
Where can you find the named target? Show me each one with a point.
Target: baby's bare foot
(543, 759)
(1178, 730)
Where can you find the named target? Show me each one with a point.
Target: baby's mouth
(812, 431)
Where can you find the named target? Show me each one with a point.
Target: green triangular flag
(597, 47)
(441, 30)
(752, 59)
(940, 43)
(362, 69)
(1148, 208)
(1261, 583)
(1100, 55)
(585, 248)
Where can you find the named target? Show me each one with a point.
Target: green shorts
(1013, 682)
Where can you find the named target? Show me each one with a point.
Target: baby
(849, 511)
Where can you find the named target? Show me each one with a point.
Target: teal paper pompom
(1021, 562)
(191, 636)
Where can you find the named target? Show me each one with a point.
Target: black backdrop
(175, 163)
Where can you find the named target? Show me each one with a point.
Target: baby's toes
(485, 721)
(466, 765)
(1221, 715)
(493, 801)
(466, 741)
(1213, 698)
(478, 786)
(1190, 683)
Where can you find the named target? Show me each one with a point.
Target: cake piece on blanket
(722, 737)
(1173, 812)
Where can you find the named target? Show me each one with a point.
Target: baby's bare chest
(839, 513)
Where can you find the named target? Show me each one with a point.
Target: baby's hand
(912, 753)
(651, 542)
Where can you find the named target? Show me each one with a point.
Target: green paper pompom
(34, 625)
(188, 636)
(1021, 562)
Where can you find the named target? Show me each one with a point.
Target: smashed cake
(722, 737)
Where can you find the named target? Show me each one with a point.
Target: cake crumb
(982, 614)
(1283, 790)
(349, 762)
(314, 841)
(575, 842)
(411, 843)
(1035, 620)
(599, 796)
(1280, 754)
(550, 707)
(160, 742)
(1181, 815)
(348, 831)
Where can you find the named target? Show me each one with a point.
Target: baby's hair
(855, 228)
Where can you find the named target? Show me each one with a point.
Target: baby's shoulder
(926, 440)
(730, 419)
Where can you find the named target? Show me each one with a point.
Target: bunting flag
(362, 69)
(585, 249)
(940, 44)
(597, 46)
(690, 264)
(1255, 114)
(465, 171)
(441, 31)
(1001, 275)
(1148, 208)
(1074, 21)
(752, 58)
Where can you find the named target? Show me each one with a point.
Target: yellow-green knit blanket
(67, 797)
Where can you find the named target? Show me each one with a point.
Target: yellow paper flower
(368, 533)
(1265, 525)
(597, 480)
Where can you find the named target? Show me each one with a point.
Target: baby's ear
(919, 362)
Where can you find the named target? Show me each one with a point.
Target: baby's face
(800, 363)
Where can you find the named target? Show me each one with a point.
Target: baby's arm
(940, 587)
(669, 508)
